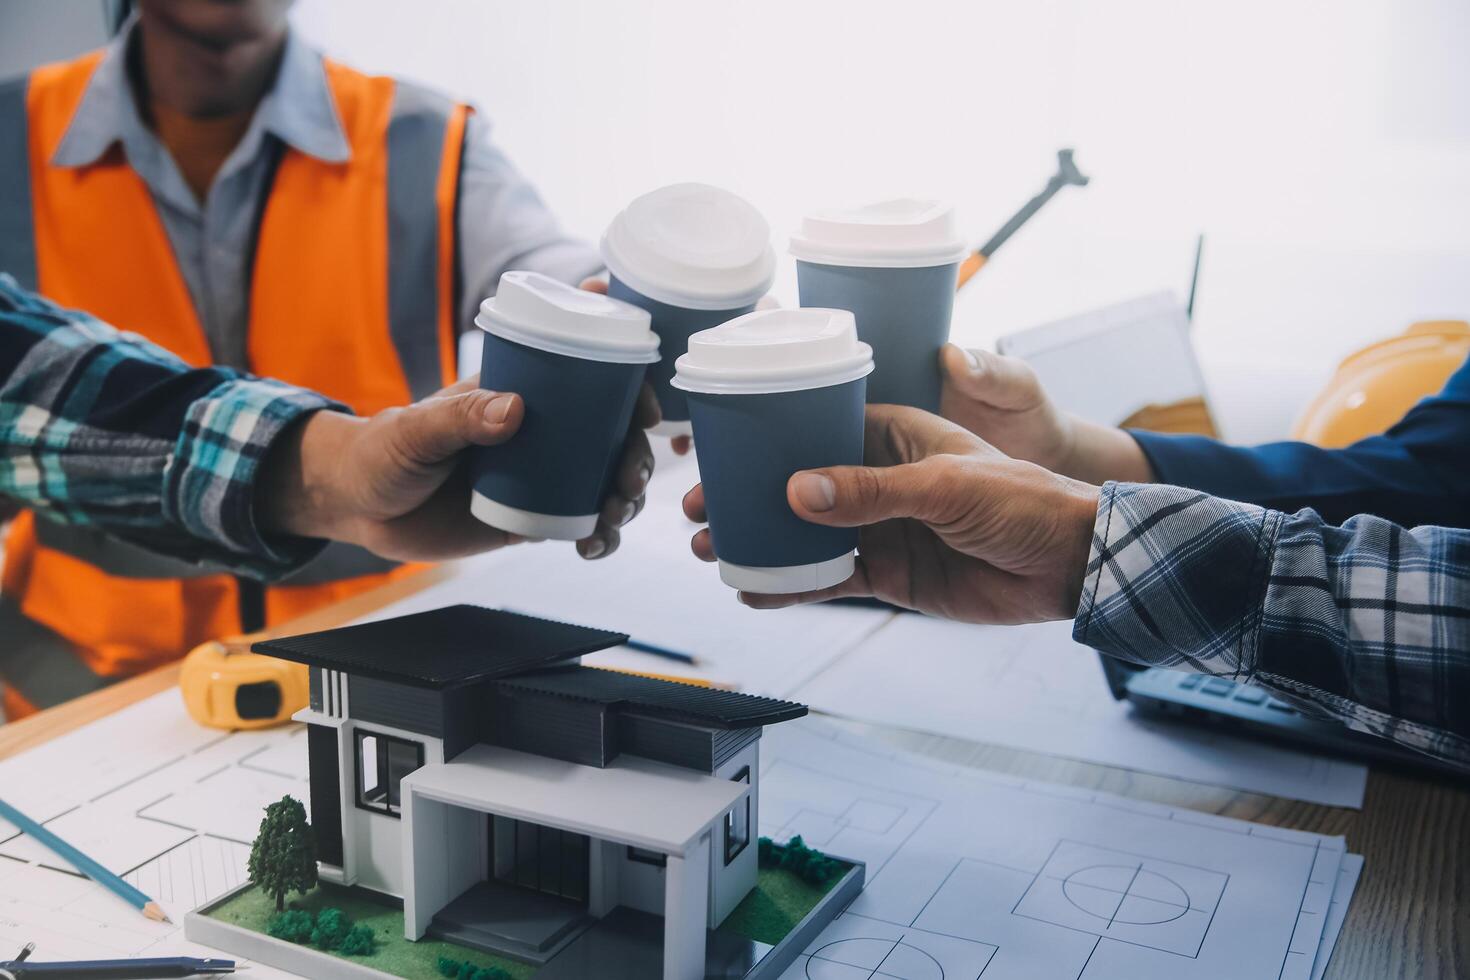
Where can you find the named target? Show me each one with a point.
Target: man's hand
(950, 526)
(393, 484)
(1000, 400)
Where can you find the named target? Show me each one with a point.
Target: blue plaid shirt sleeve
(105, 429)
(1368, 623)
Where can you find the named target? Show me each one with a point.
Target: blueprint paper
(1031, 687)
(971, 875)
(857, 797)
(127, 789)
(655, 590)
(1342, 896)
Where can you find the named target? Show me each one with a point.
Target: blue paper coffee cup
(674, 326)
(577, 360)
(771, 393)
(693, 256)
(895, 265)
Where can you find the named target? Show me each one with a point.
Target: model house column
(686, 912)
(602, 876)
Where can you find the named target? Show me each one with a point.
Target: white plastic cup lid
(538, 311)
(772, 351)
(901, 233)
(692, 245)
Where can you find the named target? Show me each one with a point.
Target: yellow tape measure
(226, 686)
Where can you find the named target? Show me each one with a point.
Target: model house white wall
(372, 842)
(729, 883)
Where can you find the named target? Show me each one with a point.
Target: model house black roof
(443, 648)
(467, 674)
(656, 698)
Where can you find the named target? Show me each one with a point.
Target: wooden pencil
(84, 864)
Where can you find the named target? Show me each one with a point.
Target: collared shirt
(1367, 623)
(105, 429)
(503, 223)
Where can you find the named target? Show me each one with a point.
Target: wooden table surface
(1410, 917)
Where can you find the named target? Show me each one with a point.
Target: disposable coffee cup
(895, 265)
(577, 360)
(693, 256)
(771, 393)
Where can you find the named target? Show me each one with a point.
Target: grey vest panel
(126, 560)
(17, 228)
(39, 664)
(415, 150)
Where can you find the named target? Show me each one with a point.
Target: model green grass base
(792, 880)
(251, 909)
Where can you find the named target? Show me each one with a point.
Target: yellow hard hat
(1375, 387)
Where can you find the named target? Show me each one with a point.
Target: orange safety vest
(352, 295)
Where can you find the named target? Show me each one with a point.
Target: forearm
(1180, 579)
(1099, 453)
(107, 430)
(503, 224)
(300, 489)
(1379, 476)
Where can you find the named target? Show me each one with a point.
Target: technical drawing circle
(1102, 889)
(888, 958)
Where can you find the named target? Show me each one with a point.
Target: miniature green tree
(283, 857)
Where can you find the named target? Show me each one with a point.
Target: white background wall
(1323, 146)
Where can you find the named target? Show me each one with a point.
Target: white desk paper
(170, 806)
(1342, 897)
(972, 875)
(1031, 687)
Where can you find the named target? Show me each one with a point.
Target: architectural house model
(465, 762)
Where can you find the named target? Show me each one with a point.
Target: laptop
(1245, 709)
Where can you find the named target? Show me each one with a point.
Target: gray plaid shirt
(1368, 623)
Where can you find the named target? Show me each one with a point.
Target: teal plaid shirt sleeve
(105, 429)
(1368, 623)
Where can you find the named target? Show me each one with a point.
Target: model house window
(647, 857)
(737, 821)
(382, 762)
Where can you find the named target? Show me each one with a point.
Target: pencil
(652, 649)
(665, 652)
(84, 864)
(677, 679)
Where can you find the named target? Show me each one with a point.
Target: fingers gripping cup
(693, 256)
(577, 361)
(894, 264)
(772, 393)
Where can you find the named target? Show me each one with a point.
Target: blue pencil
(84, 864)
(665, 652)
(651, 649)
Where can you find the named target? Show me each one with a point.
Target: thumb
(1002, 382)
(433, 430)
(856, 496)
